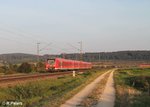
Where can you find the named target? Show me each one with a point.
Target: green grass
(132, 88)
(48, 92)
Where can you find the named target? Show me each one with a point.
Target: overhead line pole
(44, 47)
(81, 57)
(80, 49)
(38, 52)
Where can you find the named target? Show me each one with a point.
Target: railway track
(34, 76)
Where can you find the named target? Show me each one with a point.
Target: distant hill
(22, 57)
(120, 55)
(92, 56)
(17, 57)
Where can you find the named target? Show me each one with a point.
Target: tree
(24, 68)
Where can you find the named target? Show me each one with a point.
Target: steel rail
(9, 79)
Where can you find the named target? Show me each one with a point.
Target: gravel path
(108, 96)
(79, 97)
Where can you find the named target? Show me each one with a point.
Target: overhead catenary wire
(11, 39)
(73, 47)
(4, 36)
(18, 44)
(45, 47)
(15, 35)
(20, 33)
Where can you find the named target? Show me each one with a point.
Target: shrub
(40, 67)
(25, 68)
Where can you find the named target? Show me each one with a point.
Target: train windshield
(51, 61)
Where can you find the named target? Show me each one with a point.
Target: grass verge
(50, 92)
(132, 86)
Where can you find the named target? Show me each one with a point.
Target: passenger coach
(65, 64)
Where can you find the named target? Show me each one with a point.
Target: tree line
(24, 67)
(92, 57)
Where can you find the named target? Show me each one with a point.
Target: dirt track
(108, 96)
(79, 97)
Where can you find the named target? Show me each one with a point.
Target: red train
(145, 66)
(65, 64)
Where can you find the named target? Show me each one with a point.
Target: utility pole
(78, 49)
(38, 52)
(81, 57)
(63, 55)
(99, 56)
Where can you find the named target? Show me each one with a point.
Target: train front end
(50, 65)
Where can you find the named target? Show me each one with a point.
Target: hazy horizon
(75, 52)
(102, 26)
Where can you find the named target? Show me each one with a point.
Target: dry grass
(125, 95)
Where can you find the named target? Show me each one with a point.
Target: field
(132, 87)
(48, 92)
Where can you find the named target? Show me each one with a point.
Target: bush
(25, 68)
(4, 69)
(13, 67)
(41, 67)
(9, 69)
(139, 82)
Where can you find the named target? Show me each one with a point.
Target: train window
(51, 62)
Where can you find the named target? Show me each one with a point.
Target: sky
(59, 26)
